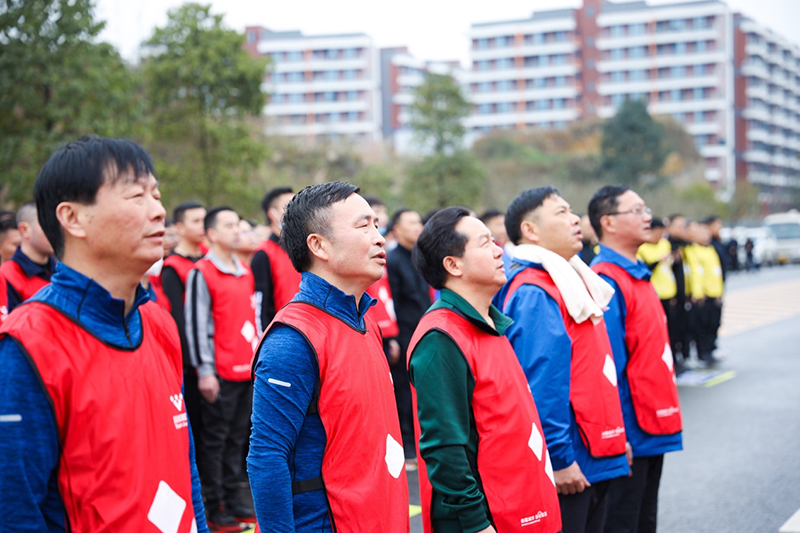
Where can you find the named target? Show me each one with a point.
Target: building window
(484, 109)
(698, 93)
(637, 29)
(505, 107)
(678, 72)
(505, 63)
(617, 53)
(680, 48)
(251, 37)
(675, 95)
(617, 31)
(296, 98)
(700, 47)
(589, 41)
(637, 51)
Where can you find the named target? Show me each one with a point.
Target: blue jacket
(285, 444)
(29, 446)
(544, 350)
(643, 444)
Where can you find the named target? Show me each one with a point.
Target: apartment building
(767, 104)
(401, 75)
(319, 86)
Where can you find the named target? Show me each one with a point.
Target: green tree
(632, 144)
(205, 94)
(449, 175)
(56, 84)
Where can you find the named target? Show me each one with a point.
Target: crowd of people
(522, 361)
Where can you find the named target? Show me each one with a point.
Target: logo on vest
(669, 411)
(167, 509)
(667, 356)
(177, 400)
(534, 519)
(610, 370)
(395, 458)
(612, 433)
(248, 331)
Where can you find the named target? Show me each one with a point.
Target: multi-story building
(401, 75)
(525, 73)
(733, 84)
(767, 96)
(319, 86)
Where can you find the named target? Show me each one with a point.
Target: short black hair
(396, 216)
(77, 170)
(373, 200)
(604, 202)
(490, 213)
(210, 222)
(427, 216)
(656, 223)
(180, 212)
(710, 219)
(270, 197)
(522, 205)
(307, 213)
(439, 239)
(7, 223)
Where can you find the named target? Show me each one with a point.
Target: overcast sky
(432, 29)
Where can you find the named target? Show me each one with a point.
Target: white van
(786, 227)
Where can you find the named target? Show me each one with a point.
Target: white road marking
(10, 418)
(279, 382)
(792, 525)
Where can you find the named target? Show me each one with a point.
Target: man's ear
(607, 223)
(453, 266)
(72, 217)
(319, 246)
(529, 230)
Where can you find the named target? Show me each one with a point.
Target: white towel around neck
(584, 292)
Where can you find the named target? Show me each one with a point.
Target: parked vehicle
(765, 245)
(786, 227)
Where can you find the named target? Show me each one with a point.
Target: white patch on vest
(180, 421)
(167, 509)
(536, 442)
(194, 526)
(279, 382)
(667, 356)
(177, 401)
(548, 467)
(395, 458)
(610, 370)
(10, 418)
(248, 331)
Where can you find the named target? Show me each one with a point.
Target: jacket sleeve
(544, 350)
(441, 377)
(199, 324)
(285, 378)
(29, 495)
(197, 497)
(265, 300)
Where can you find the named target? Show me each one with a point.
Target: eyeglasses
(641, 211)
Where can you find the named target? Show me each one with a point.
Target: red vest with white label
(3, 300)
(285, 279)
(363, 466)
(649, 370)
(593, 377)
(122, 427)
(234, 314)
(180, 264)
(513, 461)
(16, 277)
(383, 310)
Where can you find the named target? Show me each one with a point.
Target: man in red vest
(221, 334)
(188, 218)
(31, 266)
(637, 330)
(469, 389)
(326, 452)
(560, 339)
(94, 435)
(276, 280)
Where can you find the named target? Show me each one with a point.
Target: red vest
(363, 466)
(158, 290)
(182, 265)
(649, 370)
(285, 279)
(124, 442)
(593, 377)
(383, 311)
(233, 311)
(16, 277)
(513, 461)
(3, 300)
